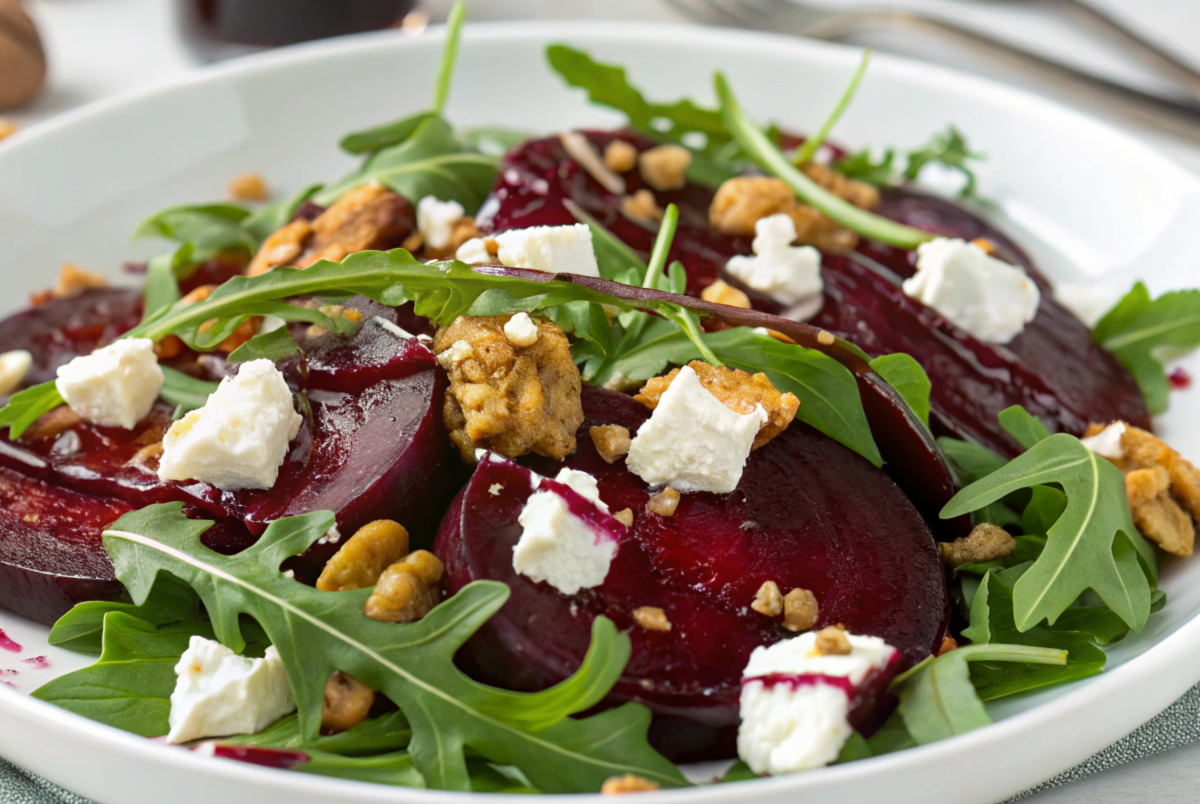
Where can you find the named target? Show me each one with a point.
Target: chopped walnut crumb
(768, 600)
(826, 338)
(8, 128)
(362, 559)
(742, 201)
(611, 441)
(625, 517)
(51, 424)
(948, 644)
(739, 391)
(652, 618)
(620, 785)
(168, 347)
(664, 167)
(505, 398)
(664, 502)
(147, 457)
(464, 229)
(620, 156)
(800, 610)
(407, 590)
(721, 292)
(73, 280)
(248, 187)
(1163, 489)
(367, 217)
(641, 207)
(986, 542)
(348, 701)
(832, 641)
(858, 193)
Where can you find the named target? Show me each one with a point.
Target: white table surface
(98, 48)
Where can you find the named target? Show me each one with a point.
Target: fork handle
(1181, 119)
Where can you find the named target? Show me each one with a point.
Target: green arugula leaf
(809, 147)
(937, 698)
(494, 141)
(183, 391)
(905, 374)
(209, 228)
(384, 734)
(412, 664)
(1144, 333)
(862, 166)
(1025, 428)
(969, 460)
(948, 148)
(756, 144)
(26, 407)
(396, 769)
(276, 345)
(454, 23)
(268, 219)
(613, 256)
(81, 628)
(1093, 545)
(162, 279)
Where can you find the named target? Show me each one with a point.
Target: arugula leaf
(937, 698)
(396, 769)
(161, 287)
(613, 256)
(209, 228)
(1094, 544)
(763, 151)
(1142, 333)
(862, 166)
(492, 140)
(81, 628)
(26, 407)
(809, 147)
(412, 664)
(276, 345)
(268, 219)
(1025, 428)
(904, 373)
(969, 460)
(379, 735)
(948, 148)
(184, 391)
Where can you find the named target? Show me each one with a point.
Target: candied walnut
(641, 207)
(858, 193)
(664, 502)
(147, 457)
(629, 783)
(464, 229)
(814, 228)
(248, 187)
(832, 641)
(985, 542)
(367, 217)
(620, 156)
(348, 701)
(73, 280)
(362, 559)
(512, 400)
(664, 167)
(768, 601)
(168, 347)
(625, 517)
(739, 391)
(948, 644)
(1162, 521)
(51, 424)
(721, 292)
(800, 610)
(611, 441)
(652, 618)
(407, 590)
(742, 201)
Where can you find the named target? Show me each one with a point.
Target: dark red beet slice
(798, 517)
(1053, 368)
(373, 447)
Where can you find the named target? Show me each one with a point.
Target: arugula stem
(809, 147)
(1012, 653)
(761, 150)
(449, 55)
(662, 247)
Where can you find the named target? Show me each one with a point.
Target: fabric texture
(1178, 725)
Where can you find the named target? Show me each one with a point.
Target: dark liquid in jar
(267, 23)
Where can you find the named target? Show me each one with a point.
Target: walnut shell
(22, 59)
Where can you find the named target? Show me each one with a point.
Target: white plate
(1090, 203)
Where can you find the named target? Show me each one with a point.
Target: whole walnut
(22, 59)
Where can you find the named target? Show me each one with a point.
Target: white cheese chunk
(692, 442)
(559, 547)
(218, 693)
(474, 252)
(436, 219)
(792, 721)
(1089, 302)
(552, 249)
(14, 368)
(114, 386)
(521, 330)
(1107, 442)
(239, 439)
(787, 273)
(988, 298)
(582, 483)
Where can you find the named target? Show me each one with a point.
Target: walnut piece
(985, 542)
(949, 643)
(367, 217)
(800, 610)
(620, 156)
(652, 618)
(461, 231)
(248, 187)
(611, 441)
(739, 391)
(832, 641)
(407, 590)
(742, 201)
(664, 503)
(625, 517)
(362, 559)
(1163, 489)
(73, 280)
(664, 167)
(512, 400)
(348, 701)
(768, 601)
(620, 785)
(721, 292)
(641, 207)
(51, 424)
(858, 193)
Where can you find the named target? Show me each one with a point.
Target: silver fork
(783, 16)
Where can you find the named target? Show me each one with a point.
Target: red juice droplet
(1180, 379)
(37, 662)
(7, 644)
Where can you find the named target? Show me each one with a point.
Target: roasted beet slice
(808, 513)
(373, 446)
(1053, 368)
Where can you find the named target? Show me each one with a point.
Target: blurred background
(1135, 62)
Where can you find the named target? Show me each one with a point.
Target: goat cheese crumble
(692, 442)
(436, 219)
(795, 703)
(521, 330)
(219, 693)
(240, 438)
(787, 273)
(1107, 442)
(14, 368)
(114, 386)
(551, 249)
(985, 296)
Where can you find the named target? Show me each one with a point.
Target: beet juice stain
(7, 644)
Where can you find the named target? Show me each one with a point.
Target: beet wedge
(797, 518)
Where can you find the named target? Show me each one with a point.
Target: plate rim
(1178, 648)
